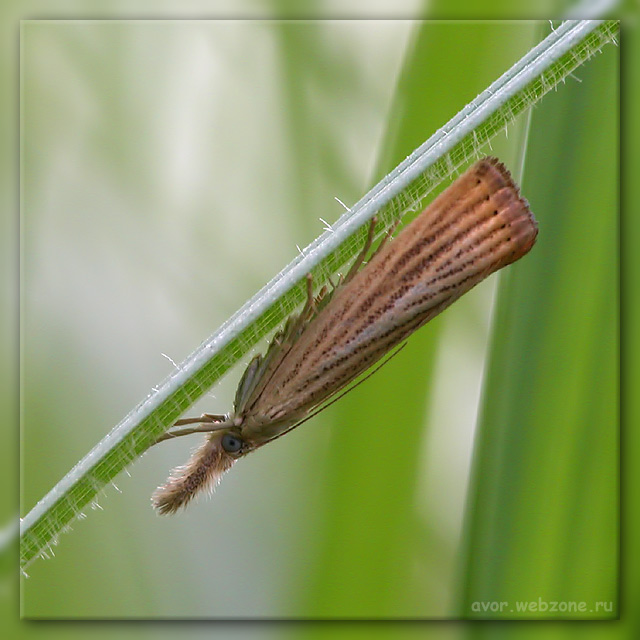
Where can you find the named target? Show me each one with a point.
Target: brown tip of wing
(512, 208)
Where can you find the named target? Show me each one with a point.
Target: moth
(475, 227)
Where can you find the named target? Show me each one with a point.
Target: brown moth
(475, 227)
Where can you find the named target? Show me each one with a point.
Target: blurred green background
(168, 170)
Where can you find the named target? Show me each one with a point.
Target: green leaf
(543, 512)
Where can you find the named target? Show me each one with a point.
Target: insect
(475, 227)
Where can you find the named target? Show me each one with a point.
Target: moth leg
(310, 304)
(203, 427)
(205, 417)
(387, 236)
(355, 267)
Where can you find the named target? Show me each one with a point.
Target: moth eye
(231, 443)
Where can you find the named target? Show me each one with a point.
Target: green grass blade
(543, 511)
